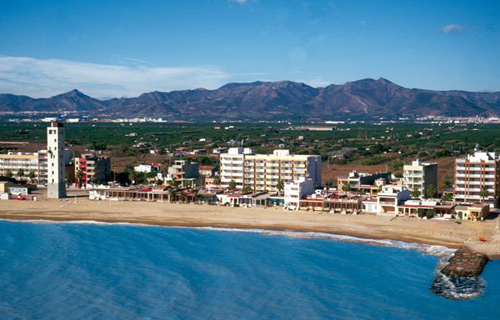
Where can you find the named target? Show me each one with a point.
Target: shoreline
(412, 230)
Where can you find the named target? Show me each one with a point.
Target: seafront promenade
(479, 236)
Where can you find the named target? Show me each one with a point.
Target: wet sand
(432, 232)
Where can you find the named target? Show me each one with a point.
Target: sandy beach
(433, 232)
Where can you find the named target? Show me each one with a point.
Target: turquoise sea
(92, 271)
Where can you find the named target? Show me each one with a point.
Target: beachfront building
(420, 175)
(184, 169)
(262, 172)
(390, 197)
(473, 212)
(56, 164)
(362, 181)
(477, 179)
(92, 169)
(14, 162)
(296, 190)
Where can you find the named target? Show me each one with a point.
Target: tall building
(91, 168)
(477, 174)
(56, 186)
(14, 162)
(261, 172)
(420, 175)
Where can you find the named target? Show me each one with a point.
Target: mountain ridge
(279, 100)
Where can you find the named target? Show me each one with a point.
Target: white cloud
(47, 77)
(242, 2)
(453, 29)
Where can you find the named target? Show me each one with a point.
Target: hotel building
(261, 172)
(420, 175)
(15, 161)
(474, 173)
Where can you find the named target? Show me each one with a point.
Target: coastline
(412, 230)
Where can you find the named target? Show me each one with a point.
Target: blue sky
(123, 48)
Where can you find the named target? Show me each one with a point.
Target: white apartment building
(474, 173)
(13, 162)
(56, 186)
(261, 172)
(420, 175)
(296, 190)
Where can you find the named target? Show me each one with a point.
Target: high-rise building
(262, 172)
(477, 178)
(420, 175)
(56, 168)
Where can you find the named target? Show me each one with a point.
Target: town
(240, 177)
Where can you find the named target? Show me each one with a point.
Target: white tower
(56, 187)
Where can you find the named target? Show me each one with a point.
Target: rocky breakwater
(465, 263)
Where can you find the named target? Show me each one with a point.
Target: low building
(413, 208)
(148, 167)
(390, 197)
(207, 171)
(473, 212)
(92, 169)
(361, 181)
(17, 190)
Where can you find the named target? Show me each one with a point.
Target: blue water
(68, 271)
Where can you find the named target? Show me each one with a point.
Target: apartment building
(91, 168)
(475, 174)
(262, 172)
(296, 190)
(184, 169)
(420, 175)
(356, 180)
(390, 197)
(13, 162)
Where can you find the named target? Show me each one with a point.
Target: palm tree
(447, 197)
(20, 173)
(247, 189)
(430, 191)
(31, 176)
(79, 176)
(232, 185)
(217, 180)
(8, 174)
(346, 187)
(483, 193)
(415, 193)
(280, 186)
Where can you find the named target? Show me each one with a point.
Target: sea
(88, 270)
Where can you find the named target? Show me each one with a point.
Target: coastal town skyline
(126, 48)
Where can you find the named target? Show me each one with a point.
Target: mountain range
(283, 100)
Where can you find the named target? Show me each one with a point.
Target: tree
(430, 191)
(448, 184)
(346, 187)
(247, 189)
(232, 185)
(415, 193)
(447, 197)
(217, 180)
(31, 175)
(483, 193)
(8, 174)
(79, 176)
(280, 186)
(20, 173)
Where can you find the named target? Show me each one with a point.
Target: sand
(432, 232)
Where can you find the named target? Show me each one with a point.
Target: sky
(122, 48)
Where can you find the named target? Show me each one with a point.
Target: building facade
(262, 172)
(36, 162)
(56, 186)
(91, 168)
(419, 176)
(296, 190)
(477, 178)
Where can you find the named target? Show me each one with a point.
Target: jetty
(465, 263)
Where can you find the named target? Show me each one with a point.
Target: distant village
(246, 179)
